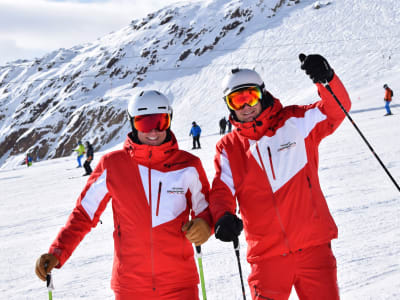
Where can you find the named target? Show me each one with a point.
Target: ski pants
(87, 166)
(188, 293)
(312, 271)
(78, 159)
(387, 106)
(196, 141)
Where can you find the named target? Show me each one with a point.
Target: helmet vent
(162, 107)
(142, 108)
(235, 70)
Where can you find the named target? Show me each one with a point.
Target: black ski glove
(317, 67)
(228, 227)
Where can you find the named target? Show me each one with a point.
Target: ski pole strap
(327, 86)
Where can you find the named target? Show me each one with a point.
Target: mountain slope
(47, 105)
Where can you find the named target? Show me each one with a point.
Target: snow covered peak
(81, 93)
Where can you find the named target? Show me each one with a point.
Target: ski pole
(236, 247)
(362, 136)
(200, 263)
(49, 282)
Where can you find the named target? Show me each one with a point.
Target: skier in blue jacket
(195, 132)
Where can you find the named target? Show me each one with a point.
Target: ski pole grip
(198, 249)
(48, 280)
(236, 243)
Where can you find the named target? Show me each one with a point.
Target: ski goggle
(249, 95)
(147, 123)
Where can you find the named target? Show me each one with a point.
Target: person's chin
(153, 142)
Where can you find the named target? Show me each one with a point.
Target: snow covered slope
(35, 203)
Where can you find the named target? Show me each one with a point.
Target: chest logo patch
(286, 146)
(176, 190)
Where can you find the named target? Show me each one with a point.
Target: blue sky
(32, 28)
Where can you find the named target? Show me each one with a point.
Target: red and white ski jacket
(270, 166)
(153, 190)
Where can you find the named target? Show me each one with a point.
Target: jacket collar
(149, 155)
(262, 125)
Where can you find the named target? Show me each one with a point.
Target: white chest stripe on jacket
(287, 153)
(170, 202)
(95, 194)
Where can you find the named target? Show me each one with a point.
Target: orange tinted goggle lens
(247, 95)
(147, 123)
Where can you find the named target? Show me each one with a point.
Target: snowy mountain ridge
(48, 104)
(80, 93)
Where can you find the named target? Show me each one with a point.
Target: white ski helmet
(240, 78)
(148, 102)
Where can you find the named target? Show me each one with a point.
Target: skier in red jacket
(154, 188)
(269, 165)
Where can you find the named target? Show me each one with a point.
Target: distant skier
(80, 150)
(89, 158)
(229, 123)
(28, 160)
(195, 132)
(222, 126)
(269, 166)
(159, 197)
(388, 99)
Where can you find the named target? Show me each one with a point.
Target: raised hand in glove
(317, 67)
(228, 227)
(197, 231)
(44, 264)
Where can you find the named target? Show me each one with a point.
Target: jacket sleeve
(86, 214)
(223, 193)
(199, 198)
(324, 116)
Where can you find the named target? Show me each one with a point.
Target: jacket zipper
(259, 156)
(151, 228)
(270, 162)
(158, 198)
(278, 215)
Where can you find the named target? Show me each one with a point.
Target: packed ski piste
(163, 204)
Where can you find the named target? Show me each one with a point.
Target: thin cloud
(29, 28)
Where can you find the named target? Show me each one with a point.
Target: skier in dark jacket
(89, 158)
(195, 131)
(229, 123)
(222, 126)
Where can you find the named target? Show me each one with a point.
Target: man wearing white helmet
(269, 165)
(159, 197)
